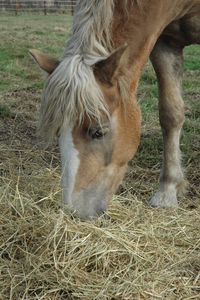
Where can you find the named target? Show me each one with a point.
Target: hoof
(164, 199)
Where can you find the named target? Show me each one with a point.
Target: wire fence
(38, 5)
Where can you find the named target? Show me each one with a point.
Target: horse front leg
(167, 61)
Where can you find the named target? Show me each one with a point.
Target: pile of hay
(137, 253)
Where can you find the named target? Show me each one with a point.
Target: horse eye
(100, 133)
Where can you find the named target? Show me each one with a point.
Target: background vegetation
(140, 252)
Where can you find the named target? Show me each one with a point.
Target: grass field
(140, 253)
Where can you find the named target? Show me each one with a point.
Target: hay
(137, 253)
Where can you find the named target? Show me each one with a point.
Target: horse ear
(46, 62)
(110, 69)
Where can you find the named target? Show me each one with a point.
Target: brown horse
(89, 95)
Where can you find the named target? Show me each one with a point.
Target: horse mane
(71, 91)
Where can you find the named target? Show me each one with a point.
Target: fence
(37, 5)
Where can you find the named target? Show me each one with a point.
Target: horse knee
(172, 115)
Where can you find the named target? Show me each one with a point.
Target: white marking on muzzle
(70, 163)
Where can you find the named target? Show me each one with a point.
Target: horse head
(95, 151)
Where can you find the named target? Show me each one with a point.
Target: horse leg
(167, 61)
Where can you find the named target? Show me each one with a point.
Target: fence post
(45, 9)
(15, 7)
(72, 7)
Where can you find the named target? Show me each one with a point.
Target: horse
(89, 96)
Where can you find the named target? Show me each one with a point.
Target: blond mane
(71, 91)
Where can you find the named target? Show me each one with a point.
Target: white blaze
(70, 163)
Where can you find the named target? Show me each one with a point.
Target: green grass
(18, 35)
(4, 111)
(192, 58)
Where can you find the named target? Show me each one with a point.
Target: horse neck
(140, 26)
